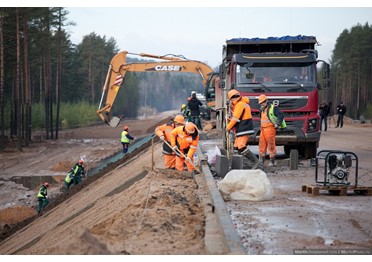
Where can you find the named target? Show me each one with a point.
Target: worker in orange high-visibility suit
(271, 119)
(185, 139)
(241, 120)
(164, 133)
(241, 123)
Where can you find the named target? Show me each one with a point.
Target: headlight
(312, 123)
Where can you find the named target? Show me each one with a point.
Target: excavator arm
(118, 68)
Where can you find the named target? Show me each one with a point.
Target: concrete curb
(218, 220)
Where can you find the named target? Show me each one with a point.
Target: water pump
(337, 167)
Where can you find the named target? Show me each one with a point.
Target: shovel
(183, 155)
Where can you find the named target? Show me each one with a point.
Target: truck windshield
(293, 77)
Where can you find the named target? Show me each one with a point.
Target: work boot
(251, 157)
(272, 162)
(260, 163)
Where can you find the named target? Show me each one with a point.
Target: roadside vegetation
(72, 115)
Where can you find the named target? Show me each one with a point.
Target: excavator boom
(118, 68)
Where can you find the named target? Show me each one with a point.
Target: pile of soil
(63, 166)
(15, 215)
(162, 214)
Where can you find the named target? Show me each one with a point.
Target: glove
(162, 138)
(188, 159)
(276, 126)
(227, 130)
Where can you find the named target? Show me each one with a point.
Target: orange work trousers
(180, 162)
(169, 161)
(267, 141)
(241, 142)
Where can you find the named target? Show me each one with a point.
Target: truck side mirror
(221, 84)
(326, 76)
(222, 71)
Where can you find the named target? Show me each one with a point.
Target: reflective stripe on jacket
(124, 138)
(274, 116)
(165, 130)
(241, 118)
(186, 143)
(78, 170)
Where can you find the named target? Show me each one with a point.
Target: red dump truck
(285, 69)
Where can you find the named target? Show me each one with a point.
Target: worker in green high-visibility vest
(42, 197)
(271, 119)
(125, 139)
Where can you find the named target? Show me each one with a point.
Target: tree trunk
(18, 85)
(28, 103)
(2, 115)
(59, 67)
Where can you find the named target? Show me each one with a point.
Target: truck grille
(285, 103)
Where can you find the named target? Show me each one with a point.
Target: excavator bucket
(114, 122)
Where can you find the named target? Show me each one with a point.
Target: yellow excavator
(118, 68)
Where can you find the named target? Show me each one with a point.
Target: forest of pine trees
(39, 65)
(351, 71)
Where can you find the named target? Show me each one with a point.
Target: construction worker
(69, 180)
(271, 119)
(194, 105)
(164, 133)
(42, 197)
(125, 137)
(186, 112)
(242, 124)
(185, 139)
(78, 172)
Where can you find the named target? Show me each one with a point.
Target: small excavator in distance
(118, 68)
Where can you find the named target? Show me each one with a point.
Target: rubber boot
(260, 163)
(251, 157)
(272, 162)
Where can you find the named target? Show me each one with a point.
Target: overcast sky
(199, 32)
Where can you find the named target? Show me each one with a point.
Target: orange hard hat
(46, 184)
(190, 128)
(233, 94)
(179, 119)
(262, 98)
(81, 161)
(126, 128)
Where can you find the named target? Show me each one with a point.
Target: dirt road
(295, 222)
(93, 221)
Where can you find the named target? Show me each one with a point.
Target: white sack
(212, 155)
(246, 185)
